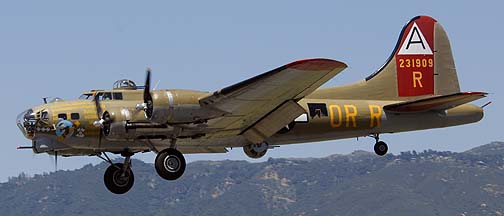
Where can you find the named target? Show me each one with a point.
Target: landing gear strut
(170, 164)
(380, 147)
(118, 177)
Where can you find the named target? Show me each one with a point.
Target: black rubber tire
(251, 153)
(112, 181)
(380, 148)
(170, 164)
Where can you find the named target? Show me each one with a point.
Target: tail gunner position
(416, 89)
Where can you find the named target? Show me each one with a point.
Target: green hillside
(424, 183)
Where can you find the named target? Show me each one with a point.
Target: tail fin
(421, 65)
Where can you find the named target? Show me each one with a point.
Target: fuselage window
(62, 116)
(74, 116)
(106, 96)
(118, 96)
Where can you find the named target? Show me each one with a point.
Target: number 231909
(416, 63)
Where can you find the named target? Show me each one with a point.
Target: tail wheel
(380, 148)
(170, 164)
(256, 150)
(118, 181)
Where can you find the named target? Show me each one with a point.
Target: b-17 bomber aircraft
(416, 89)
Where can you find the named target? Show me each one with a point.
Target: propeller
(148, 105)
(104, 117)
(100, 122)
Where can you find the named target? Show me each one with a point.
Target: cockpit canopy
(125, 84)
(120, 85)
(55, 99)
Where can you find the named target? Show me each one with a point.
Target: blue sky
(62, 48)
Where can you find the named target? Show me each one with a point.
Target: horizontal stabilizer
(435, 103)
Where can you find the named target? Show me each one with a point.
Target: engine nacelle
(126, 131)
(176, 106)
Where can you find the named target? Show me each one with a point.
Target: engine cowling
(117, 131)
(162, 106)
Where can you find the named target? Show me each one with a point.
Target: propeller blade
(97, 105)
(100, 121)
(147, 95)
(147, 82)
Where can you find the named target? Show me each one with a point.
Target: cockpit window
(86, 96)
(102, 96)
(45, 116)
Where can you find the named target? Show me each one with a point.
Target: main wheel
(116, 180)
(170, 164)
(380, 148)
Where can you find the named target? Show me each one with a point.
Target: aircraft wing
(201, 149)
(258, 107)
(435, 103)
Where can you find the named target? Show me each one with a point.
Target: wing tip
(316, 64)
(475, 93)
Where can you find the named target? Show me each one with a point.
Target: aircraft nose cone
(26, 122)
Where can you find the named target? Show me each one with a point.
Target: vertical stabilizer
(421, 65)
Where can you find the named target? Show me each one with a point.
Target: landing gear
(118, 177)
(170, 164)
(380, 147)
(256, 150)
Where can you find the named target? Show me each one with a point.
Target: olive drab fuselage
(324, 119)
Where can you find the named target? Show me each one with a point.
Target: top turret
(125, 84)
